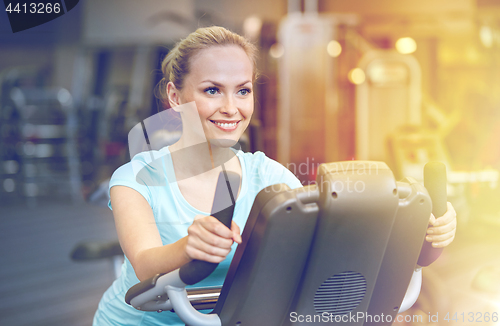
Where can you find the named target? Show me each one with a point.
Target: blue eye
(244, 91)
(212, 90)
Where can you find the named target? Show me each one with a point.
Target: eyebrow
(220, 85)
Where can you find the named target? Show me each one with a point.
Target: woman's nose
(229, 106)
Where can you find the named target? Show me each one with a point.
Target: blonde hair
(175, 66)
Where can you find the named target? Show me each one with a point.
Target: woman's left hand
(441, 231)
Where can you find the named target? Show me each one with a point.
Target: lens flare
(406, 45)
(334, 48)
(356, 76)
(276, 51)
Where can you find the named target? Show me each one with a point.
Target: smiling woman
(208, 79)
(161, 214)
(220, 83)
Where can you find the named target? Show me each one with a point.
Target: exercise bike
(343, 250)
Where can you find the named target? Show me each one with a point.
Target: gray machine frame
(346, 246)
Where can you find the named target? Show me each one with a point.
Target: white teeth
(225, 125)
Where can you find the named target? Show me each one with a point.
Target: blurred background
(399, 81)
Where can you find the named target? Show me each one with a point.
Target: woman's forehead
(221, 61)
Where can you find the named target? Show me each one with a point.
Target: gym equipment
(390, 97)
(93, 250)
(412, 146)
(39, 152)
(306, 65)
(346, 247)
(435, 183)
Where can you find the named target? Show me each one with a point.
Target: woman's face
(220, 83)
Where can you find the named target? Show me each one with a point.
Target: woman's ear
(173, 95)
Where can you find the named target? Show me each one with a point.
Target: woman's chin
(223, 143)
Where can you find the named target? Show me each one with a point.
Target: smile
(226, 126)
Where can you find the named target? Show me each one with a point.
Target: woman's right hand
(210, 240)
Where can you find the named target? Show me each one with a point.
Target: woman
(209, 78)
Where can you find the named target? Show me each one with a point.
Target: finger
(442, 244)
(211, 249)
(195, 253)
(236, 232)
(199, 216)
(449, 216)
(198, 231)
(215, 226)
(442, 229)
(441, 237)
(432, 220)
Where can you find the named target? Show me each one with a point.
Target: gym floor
(41, 286)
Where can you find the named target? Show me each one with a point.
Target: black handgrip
(222, 209)
(435, 183)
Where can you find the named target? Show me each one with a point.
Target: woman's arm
(207, 239)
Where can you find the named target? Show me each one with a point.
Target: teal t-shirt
(173, 215)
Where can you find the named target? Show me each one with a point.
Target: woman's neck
(195, 159)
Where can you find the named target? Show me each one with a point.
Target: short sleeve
(274, 173)
(125, 176)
